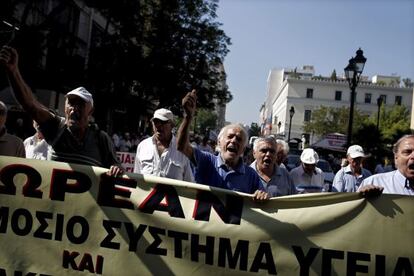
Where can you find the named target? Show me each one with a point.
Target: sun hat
(309, 156)
(82, 93)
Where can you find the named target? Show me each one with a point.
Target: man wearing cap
(401, 180)
(158, 154)
(10, 145)
(71, 139)
(349, 178)
(226, 170)
(307, 175)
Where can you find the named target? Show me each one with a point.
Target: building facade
(305, 92)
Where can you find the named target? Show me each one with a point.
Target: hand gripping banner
(65, 219)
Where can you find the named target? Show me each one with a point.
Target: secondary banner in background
(65, 219)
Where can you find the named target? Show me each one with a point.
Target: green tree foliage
(394, 122)
(254, 130)
(408, 83)
(333, 75)
(205, 120)
(148, 55)
(329, 119)
(163, 49)
(369, 138)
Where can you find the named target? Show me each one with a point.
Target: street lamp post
(353, 74)
(379, 103)
(291, 113)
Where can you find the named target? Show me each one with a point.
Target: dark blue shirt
(211, 170)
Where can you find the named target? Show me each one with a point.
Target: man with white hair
(274, 178)
(71, 138)
(307, 175)
(226, 170)
(281, 152)
(158, 154)
(349, 178)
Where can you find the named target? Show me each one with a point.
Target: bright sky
(268, 34)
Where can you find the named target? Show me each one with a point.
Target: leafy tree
(172, 46)
(254, 130)
(369, 138)
(149, 54)
(205, 120)
(329, 119)
(333, 75)
(394, 122)
(408, 83)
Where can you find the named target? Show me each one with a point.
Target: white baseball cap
(163, 115)
(82, 93)
(309, 156)
(355, 151)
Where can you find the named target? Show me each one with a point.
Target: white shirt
(172, 163)
(36, 149)
(393, 182)
(299, 177)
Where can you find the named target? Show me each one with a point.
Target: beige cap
(355, 151)
(163, 115)
(82, 93)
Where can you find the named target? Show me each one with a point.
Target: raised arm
(183, 136)
(9, 59)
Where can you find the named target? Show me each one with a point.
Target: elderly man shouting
(226, 170)
(71, 138)
(274, 178)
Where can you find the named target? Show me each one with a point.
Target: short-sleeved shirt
(280, 183)
(211, 170)
(299, 177)
(393, 182)
(171, 164)
(11, 145)
(96, 148)
(36, 149)
(345, 181)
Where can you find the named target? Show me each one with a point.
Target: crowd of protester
(227, 163)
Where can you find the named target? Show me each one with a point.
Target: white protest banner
(65, 219)
(127, 160)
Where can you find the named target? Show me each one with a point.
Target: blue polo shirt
(345, 181)
(211, 170)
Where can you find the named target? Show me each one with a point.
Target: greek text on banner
(66, 219)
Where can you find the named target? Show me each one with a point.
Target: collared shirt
(11, 145)
(299, 177)
(280, 184)
(393, 182)
(346, 181)
(35, 148)
(211, 170)
(96, 148)
(171, 164)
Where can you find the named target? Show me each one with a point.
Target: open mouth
(232, 149)
(411, 166)
(267, 161)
